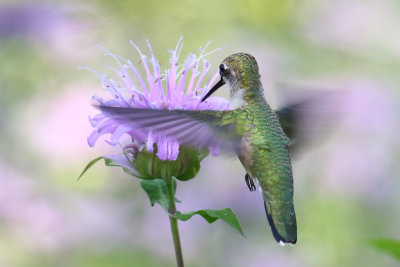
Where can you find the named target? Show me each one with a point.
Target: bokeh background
(347, 187)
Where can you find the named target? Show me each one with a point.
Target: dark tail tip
(281, 240)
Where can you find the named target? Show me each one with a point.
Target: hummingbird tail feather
(283, 223)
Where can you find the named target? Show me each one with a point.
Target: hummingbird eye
(222, 69)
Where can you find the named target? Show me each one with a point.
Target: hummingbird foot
(250, 182)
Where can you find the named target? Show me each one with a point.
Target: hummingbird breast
(263, 137)
(246, 154)
(265, 156)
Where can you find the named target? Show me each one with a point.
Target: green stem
(174, 224)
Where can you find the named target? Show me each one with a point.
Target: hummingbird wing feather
(307, 119)
(200, 129)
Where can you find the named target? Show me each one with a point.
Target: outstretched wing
(200, 129)
(289, 118)
(306, 121)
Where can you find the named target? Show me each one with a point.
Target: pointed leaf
(121, 161)
(157, 191)
(90, 164)
(388, 246)
(211, 216)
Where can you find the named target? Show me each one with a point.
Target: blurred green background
(347, 188)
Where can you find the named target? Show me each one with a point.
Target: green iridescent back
(271, 163)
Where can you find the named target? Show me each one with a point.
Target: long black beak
(213, 89)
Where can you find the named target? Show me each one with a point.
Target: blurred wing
(289, 117)
(306, 121)
(200, 129)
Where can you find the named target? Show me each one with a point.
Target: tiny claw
(250, 182)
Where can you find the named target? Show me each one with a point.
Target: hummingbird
(251, 129)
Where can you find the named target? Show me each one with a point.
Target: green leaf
(114, 161)
(388, 246)
(211, 216)
(157, 191)
(110, 161)
(90, 164)
(189, 162)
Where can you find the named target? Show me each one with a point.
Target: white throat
(237, 99)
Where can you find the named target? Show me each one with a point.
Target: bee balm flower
(179, 87)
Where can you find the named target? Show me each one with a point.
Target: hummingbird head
(240, 72)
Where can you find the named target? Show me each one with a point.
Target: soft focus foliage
(389, 246)
(346, 186)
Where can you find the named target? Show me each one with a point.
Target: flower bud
(149, 166)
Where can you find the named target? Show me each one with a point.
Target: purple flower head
(178, 87)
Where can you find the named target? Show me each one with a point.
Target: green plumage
(265, 148)
(272, 168)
